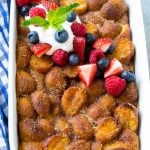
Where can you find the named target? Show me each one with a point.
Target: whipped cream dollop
(48, 35)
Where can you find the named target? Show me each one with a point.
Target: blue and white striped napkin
(4, 32)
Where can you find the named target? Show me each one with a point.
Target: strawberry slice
(40, 48)
(115, 68)
(79, 47)
(103, 44)
(87, 73)
(49, 5)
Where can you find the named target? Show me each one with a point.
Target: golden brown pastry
(25, 83)
(95, 4)
(110, 29)
(56, 142)
(55, 81)
(73, 99)
(42, 64)
(23, 54)
(25, 109)
(82, 128)
(107, 129)
(127, 114)
(41, 102)
(79, 145)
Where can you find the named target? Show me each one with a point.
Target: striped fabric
(4, 30)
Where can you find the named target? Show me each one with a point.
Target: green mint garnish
(55, 18)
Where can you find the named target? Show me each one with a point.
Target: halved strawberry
(79, 47)
(115, 68)
(87, 73)
(40, 48)
(103, 44)
(49, 5)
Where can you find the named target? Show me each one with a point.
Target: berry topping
(95, 55)
(74, 59)
(34, 2)
(33, 37)
(78, 29)
(103, 44)
(24, 11)
(36, 11)
(110, 49)
(79, 47)
(21, 3)
(90, 38)
(71, 17)
(128, 76)
(40, 48)
(99, 75)
(114, 68)
(102, 64)
(49, 5)
(60, 57)
(61, 36)
(115, 85)
(87, 73)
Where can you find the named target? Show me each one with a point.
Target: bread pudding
(75, 76)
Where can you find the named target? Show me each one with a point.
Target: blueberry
(102, 64)
(74, 59)
(90, 38)
(99, 75)
(110, 49)
(33, 37)
(61, 36)
(71, 17)
(24, 11)
(128, 76)
(87, 51)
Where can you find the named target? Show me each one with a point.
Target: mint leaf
(36, 21)
(56, 18)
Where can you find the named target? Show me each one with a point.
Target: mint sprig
(55, 18)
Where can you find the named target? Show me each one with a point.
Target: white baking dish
(141, 67)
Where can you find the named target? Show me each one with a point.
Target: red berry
(103, 44)
(21, 3)
(60, 57)
(87, 73)
(36, 11)
(49, 5)
(35, 1)
(95, 55)
(115, 68)
(40, 48)
(78, 29)
(79, 47)
(115, 85)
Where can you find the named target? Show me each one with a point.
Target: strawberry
(115, 68)
(95, 55)
(21, 3)
(49, 5)
(36, 11)
(79, 47)
(115, 85)
(78, 29)
(103, 44)
(87, 73)
(40, 48)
